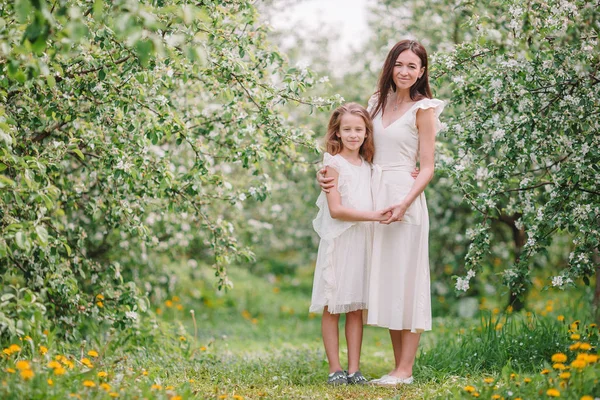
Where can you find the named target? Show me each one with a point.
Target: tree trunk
(596, 310)
(516, 301)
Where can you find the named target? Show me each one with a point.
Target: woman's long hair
(333, 143)
(418, 91)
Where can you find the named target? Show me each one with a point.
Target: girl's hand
(415, 173)
(394, 213)
(325, 183)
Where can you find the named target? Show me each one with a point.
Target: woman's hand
(394, 213)
(325, 183)
(381, 216)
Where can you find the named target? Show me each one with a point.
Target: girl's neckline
(351, 163)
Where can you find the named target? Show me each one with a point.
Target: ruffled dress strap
(372, 102)
(326, 227)
(437, 105)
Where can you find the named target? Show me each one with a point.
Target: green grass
(259, 341)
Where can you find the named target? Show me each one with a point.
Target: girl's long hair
(418, 91)
(333, 143)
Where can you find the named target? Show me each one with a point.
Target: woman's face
(407, 70)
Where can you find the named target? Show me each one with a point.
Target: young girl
(341, 274)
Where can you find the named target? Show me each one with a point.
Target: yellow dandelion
(102, 374)
(562, 384)
(559, 358)
(75, 395)
(179, 307)
(488, 380)
(223, 396)
(581, 356)
(87, 363)
(238, 397)
(553, 393)
(203, 348)
(575, 346)
(527, 380)
(169, 387)
(99, 297)
(191, 381)
(575, 336)
(169, 303)
(88, 383)
(100, 304)
(54, 364)
(469, 389)
(7, 352)
(564, 375)
(579, 364)
(22, 365)
(10, 370)
(92, 353)
(559, 366)
(585, 346)
(60, 371)
(495, 396)
(182, 338)
(276, 290)
(14, 348)
(50, 382)
(587, 397)
(545, 371)
(145, 373)
(561, 318)
(28, 338)
(499, 326)
(593, 325)
(591, 358)
(113, 394)
(513, 375)
(254, 321)
(176, 398)
(46, 333)
(156, 387)
(105, 386)
(43, 350)
(27, 374)
(476, 394)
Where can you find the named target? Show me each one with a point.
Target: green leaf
(21, 240)
(98, 9)
(42, 235)
(7, 296)
(79, 154)
(22, 9)
(6, 181)
(51, 81)
(2, 167)
(67, 248)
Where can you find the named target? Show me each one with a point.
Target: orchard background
(157, 164)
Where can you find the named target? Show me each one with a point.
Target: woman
(405, 121)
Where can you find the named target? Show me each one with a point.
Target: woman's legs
(329, 330)
(354, 333)
(405, 344)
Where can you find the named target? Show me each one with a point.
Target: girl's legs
(329, 330)
(405, 344)
(354, 333)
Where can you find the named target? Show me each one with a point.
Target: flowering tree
(527, 133)
(130, 133)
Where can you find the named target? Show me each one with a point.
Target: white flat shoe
(392, 381)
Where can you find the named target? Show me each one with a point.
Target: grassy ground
(258, 342)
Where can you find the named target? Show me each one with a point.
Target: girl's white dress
(342, 269)
(399, 294)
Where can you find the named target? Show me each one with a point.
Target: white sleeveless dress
(342, 269)
(399, 286)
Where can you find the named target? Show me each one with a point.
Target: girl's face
(407, 70)
(352, 132)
